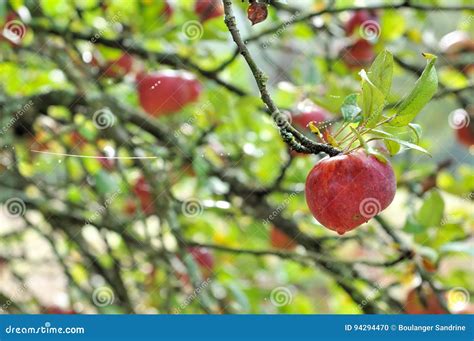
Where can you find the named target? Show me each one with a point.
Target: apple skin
(204, 259)
(316, 114)
(143, 191)
(280, 240)
(414, 304)
(208, 9)
(465, 135)
(308, 114)
(58, 311)
(359, 54)
(167, 11)
(166, 92)
(357, 19)
(337, 189)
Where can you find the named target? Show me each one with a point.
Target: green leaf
(350, 110)
(392, 147)
(424, 89)
(393, 137)
(408, 145)
(417, 130)
(105, 183)
(432, 210)
(393, 23)
(413, 226)
(372, 101)
(381, 71)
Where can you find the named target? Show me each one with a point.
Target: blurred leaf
(413, 226)
(453, 77)
(105, 183)
(392, 25)
(432, 210)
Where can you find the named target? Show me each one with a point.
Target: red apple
(308, 112)
(465, 135)
(167, 11)
(166, 92)
(359, 54)
(415, 305)
(281, 240)
(208, 9)
(347, 190)
(57, 311)
(204, 259)
(357, 19)
(119, 67)
(143, 191)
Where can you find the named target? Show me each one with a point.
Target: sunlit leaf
(425, 87)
